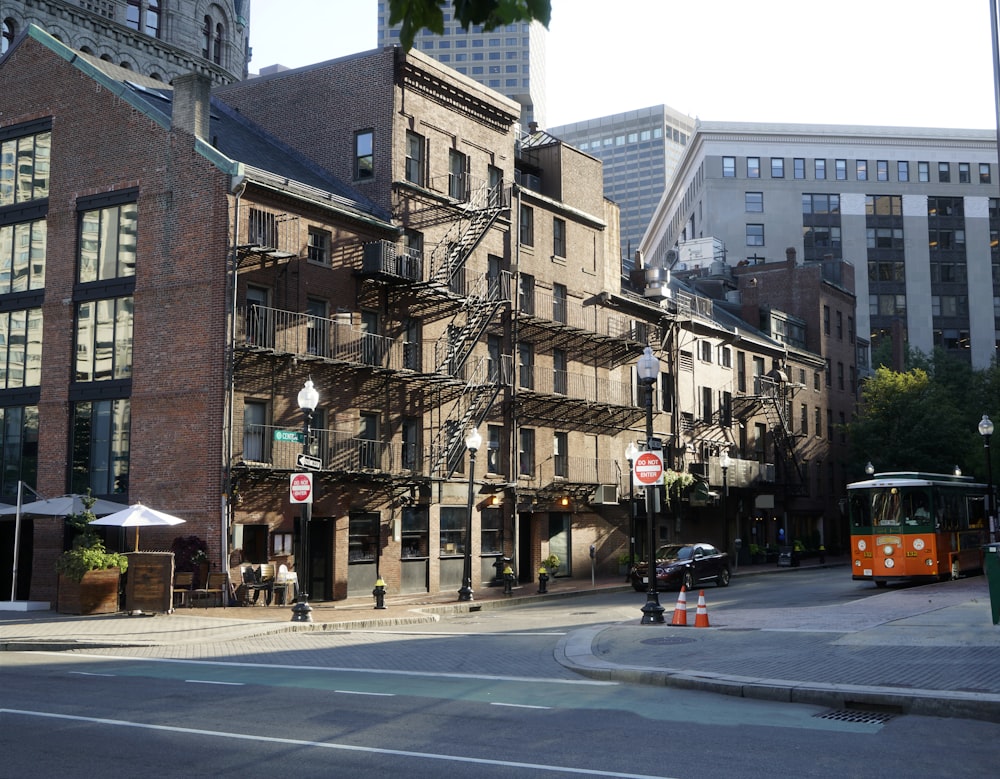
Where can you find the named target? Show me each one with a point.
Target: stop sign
(301, 488)
(648, 468)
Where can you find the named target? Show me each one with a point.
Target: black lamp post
(986, 430)
(647, 369)
(724, 464)
(472, 442)
(302, 611)
(631, 452)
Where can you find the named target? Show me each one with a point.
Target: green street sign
(289, 435)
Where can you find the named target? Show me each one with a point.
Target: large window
(101, 446)
(526, 452)
(104, 339)
(19, 444)
(22, 256)
(364, 155)
(755, 235)
(458, 164)
(20, 348)
(558, 237)
(753, 202)
(526, 231)
(108, 242)
(24, 167)
(453, 521)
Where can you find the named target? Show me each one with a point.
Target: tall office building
(914, 209)
(510, 60)
(640, 151)
(155, 39)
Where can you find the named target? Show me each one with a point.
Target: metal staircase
(449, 256)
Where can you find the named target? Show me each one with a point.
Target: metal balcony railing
(576, 386)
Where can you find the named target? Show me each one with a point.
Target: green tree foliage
(416, 15)
(925, 418)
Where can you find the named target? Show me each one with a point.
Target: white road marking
(327, 745)
(518, 705)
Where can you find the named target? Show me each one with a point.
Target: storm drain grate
(857, 716)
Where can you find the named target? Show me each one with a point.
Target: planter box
(96, 594)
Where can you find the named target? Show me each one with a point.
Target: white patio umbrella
(138, 515)
(63, 506)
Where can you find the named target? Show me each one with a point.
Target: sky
(869, 62)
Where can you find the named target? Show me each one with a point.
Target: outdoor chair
(183, 582)
(258, 580)
(215, 587)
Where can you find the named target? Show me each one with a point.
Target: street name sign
(290, 435)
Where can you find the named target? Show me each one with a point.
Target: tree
(419, 14)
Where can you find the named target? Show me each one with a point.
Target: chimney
(191, 104)
(532, 127)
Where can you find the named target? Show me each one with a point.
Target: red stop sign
(648, 468)
(301, 488)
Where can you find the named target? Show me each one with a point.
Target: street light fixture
(870, 469)
(986, 430)
(302, 611)
(631, 452)
(647, 370)
(472, 442)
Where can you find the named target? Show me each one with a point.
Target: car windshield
(674, 552)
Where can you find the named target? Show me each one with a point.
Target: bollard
(508, 580)
(379, 593)
(543, 580)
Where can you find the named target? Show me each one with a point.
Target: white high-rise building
(916, 210)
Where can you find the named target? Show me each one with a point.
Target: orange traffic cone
(701, 616)
(681, 609)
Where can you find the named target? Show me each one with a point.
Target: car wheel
(722, 580)
(688, 580)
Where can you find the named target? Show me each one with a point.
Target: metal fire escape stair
(783, 442)
(449, 256)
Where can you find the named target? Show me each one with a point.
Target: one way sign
(310, 462)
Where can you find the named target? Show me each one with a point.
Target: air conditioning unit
(607, 494)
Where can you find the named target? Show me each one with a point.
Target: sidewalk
(922, 650)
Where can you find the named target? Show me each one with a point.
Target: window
(415, 159)
(840, 168)
(144, 20)
(364, 155)
(558, 237)
(754, 202)
(24, 166)
(559, 302)
(362, 536)
(526, 365)
(964, 174)
(882, 170)
(526, 227)
(755, 235)
(861, 169)
(753, 167)
(804, 420)
(706, 404)
(826, 320)
(526, 292)
(944, 172)
(410, 434)
(818, 422)
(100, 447)
(494, 462)
(726, 356)
(777, 167)
(799, 168)
(107, 243)
(453, 521)
(457, 166)
(840, 325)
(923, 171)
(820, 169)
(22, 256)
(705, 350)
(414, 536)
(368, 441)
(840, 375)
(104, 339)
(491, 531)
(318, 249)
(526, 452)
(20, 348)
(7, 34)
(560, 454)
(729, 167)
(903, 170)
(19, 447)
(559, 375)
(213, 34)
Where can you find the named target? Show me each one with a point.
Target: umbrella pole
(137, 538)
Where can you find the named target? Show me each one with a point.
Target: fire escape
(769, 400)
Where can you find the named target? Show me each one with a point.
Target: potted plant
(191, 554)
(551, 564)
(89, 575)
(624, 564)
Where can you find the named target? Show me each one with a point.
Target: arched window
(206, 32)
(9, 31)
(217, 49)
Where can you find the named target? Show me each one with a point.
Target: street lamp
(302, 611)
(647, 369)
(472, 442)
(724, 464)
(870, 469)
(631, 452)
(986, 430)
